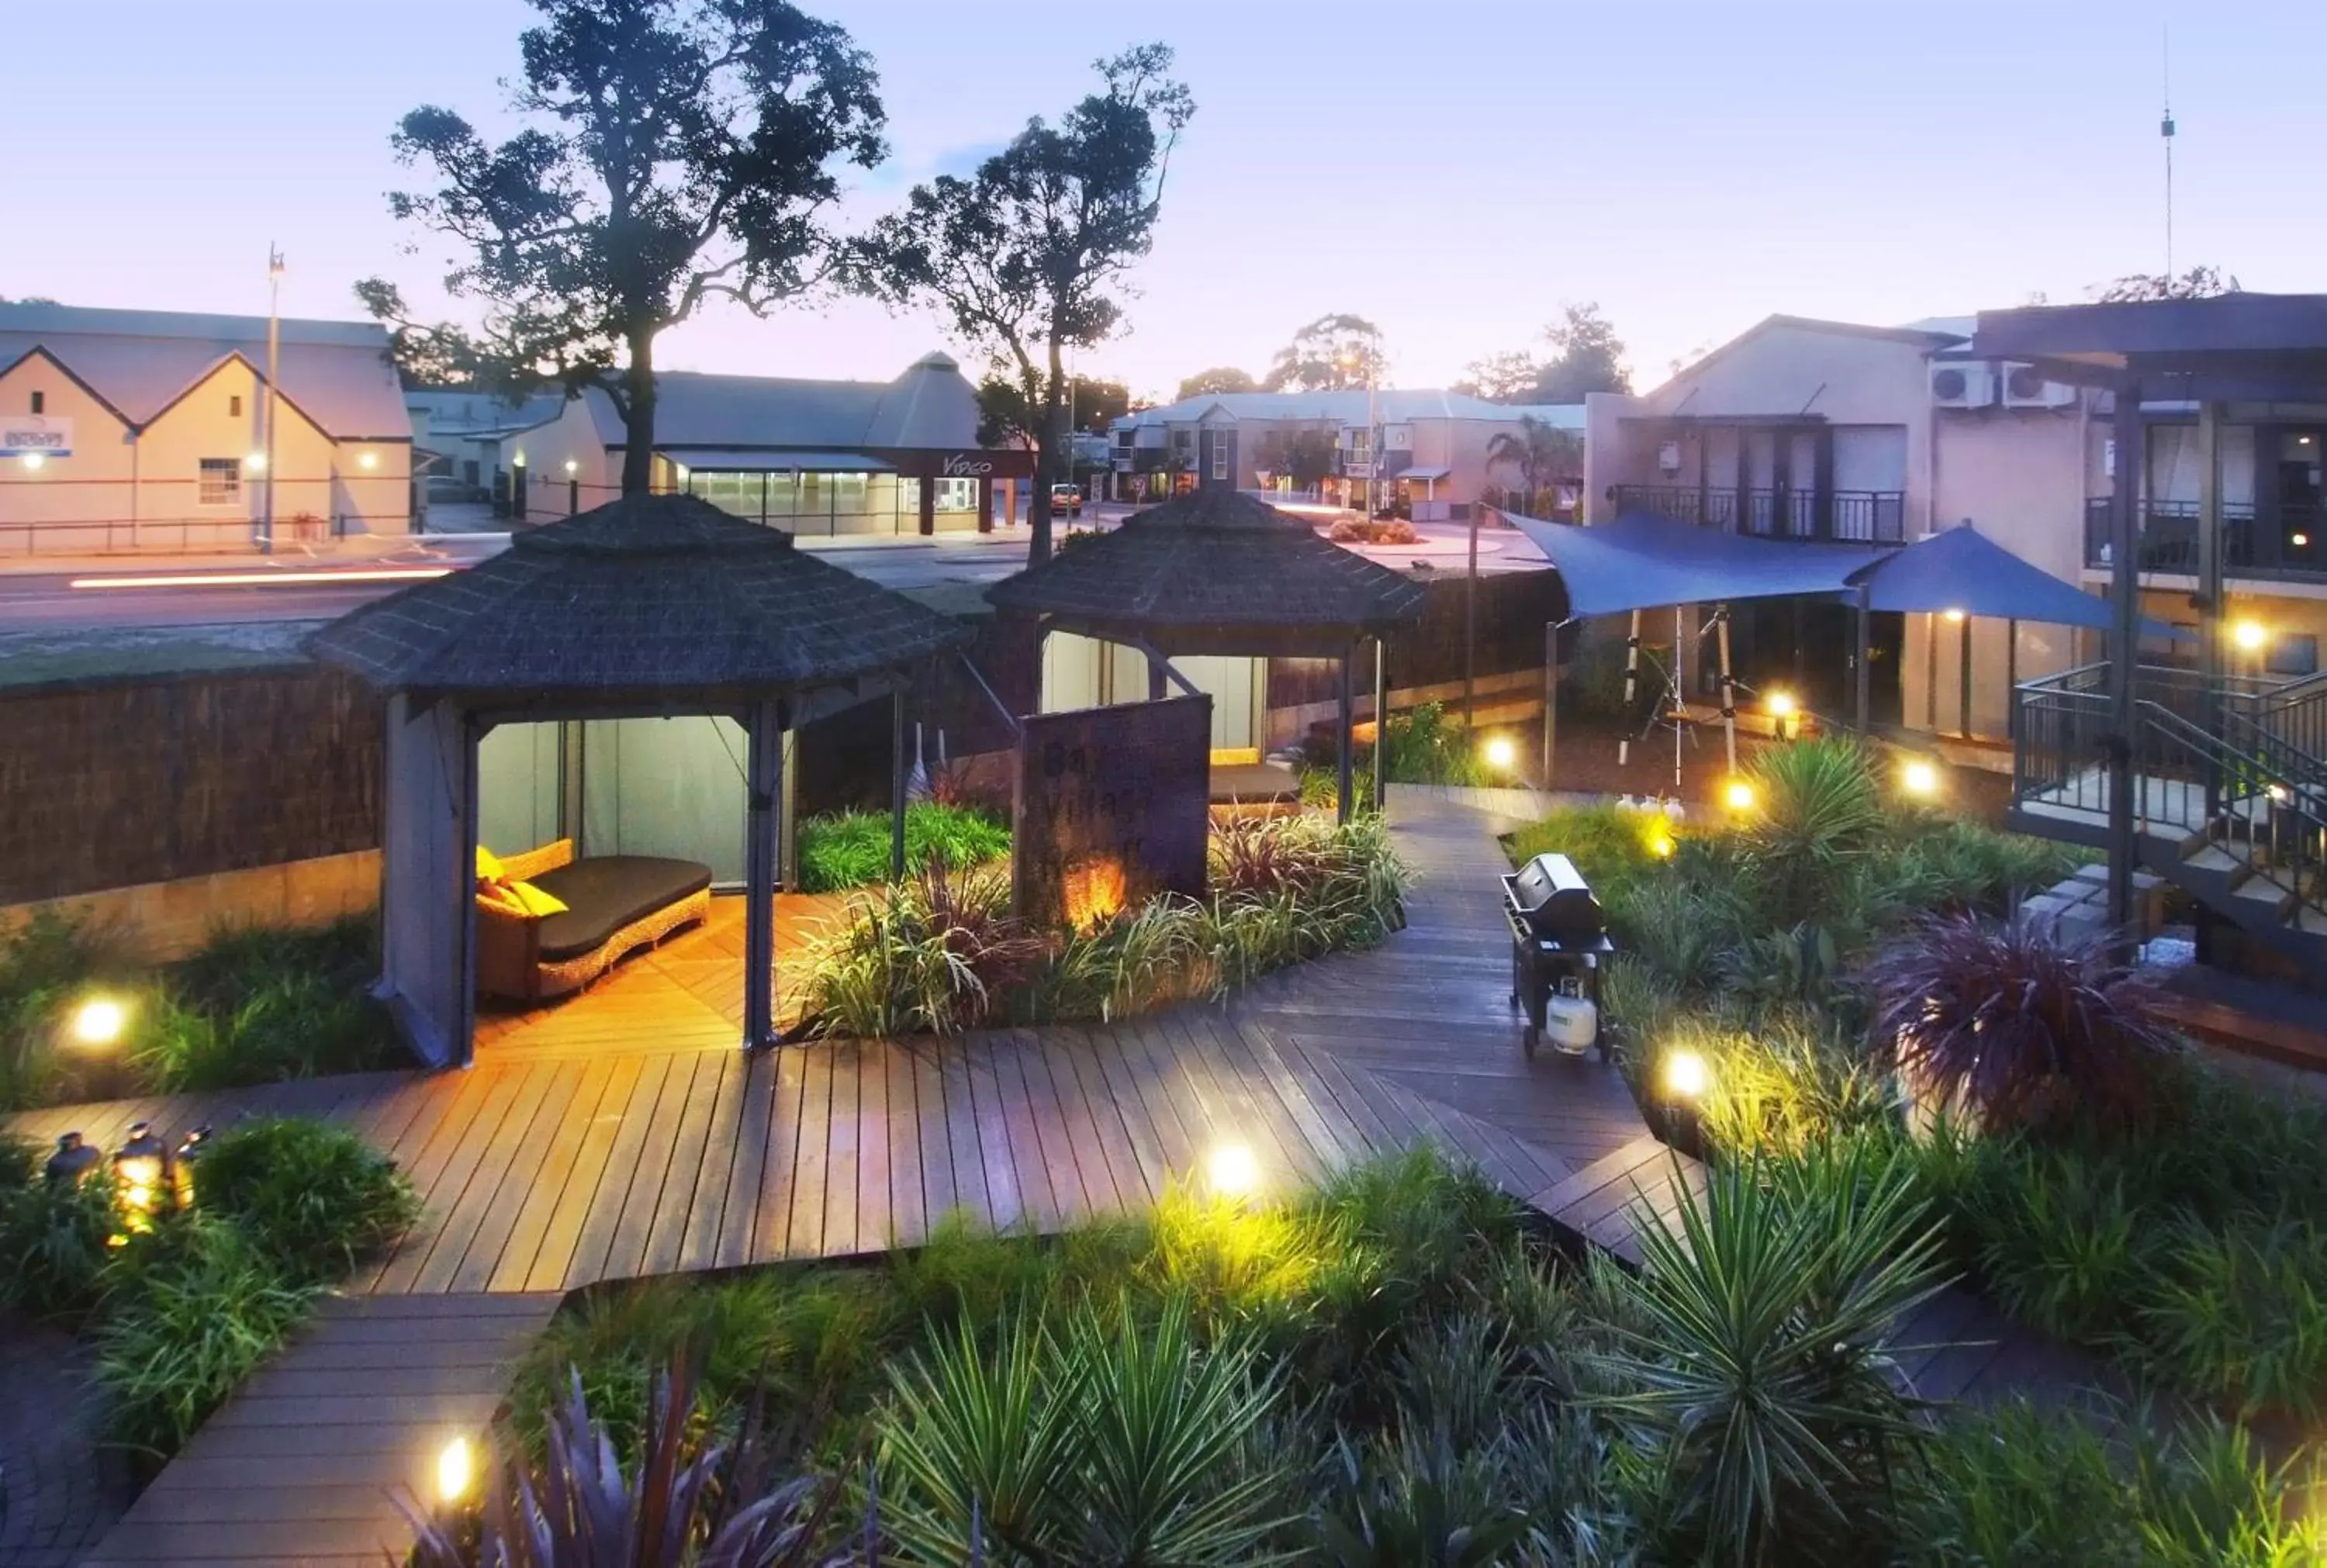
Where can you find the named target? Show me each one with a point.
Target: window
(2293, 653)
(234, 406)
(1183, 441)
(220, 484)
(956, 495)
(1219, 455)
(850, 489)
(39, 403)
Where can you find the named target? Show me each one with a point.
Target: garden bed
(1387, 1370)
(1838, 969)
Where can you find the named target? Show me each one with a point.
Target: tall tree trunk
(1049, 442)
(639, 419)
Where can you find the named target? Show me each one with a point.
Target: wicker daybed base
(511, 962)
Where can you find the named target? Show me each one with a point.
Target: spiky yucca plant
(2017, 1024)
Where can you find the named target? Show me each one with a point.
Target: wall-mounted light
(1954, 617)
(2250, 636)
(517, 459)
(254, 463)
(36, 460)
(369, 460)
(572, 468)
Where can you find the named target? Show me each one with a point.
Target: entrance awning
(747, 459)
(1963, 570)
(1641, 562)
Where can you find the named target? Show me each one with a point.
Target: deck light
(1660, 844)
(99, 1021)
(456, 1471)
(1781, 705)
(35, 460)
(1686, 1075)
(183, 1163)
(2249, 635)
(1231, 1172)
(1500, 753)
(141, 1169)
(1920, 778)
(1738, 796)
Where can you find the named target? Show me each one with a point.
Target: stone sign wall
(1111, 808)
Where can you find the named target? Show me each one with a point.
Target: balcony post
(2124, 640)
(2210, 589)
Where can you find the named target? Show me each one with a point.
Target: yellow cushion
(489, 865)
(532, 900)
(493, 895)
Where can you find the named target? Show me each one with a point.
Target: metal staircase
(2229, 789)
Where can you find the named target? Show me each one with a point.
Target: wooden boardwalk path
(642, 1143)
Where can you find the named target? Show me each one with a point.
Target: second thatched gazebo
(1220, 571)
(651, 606)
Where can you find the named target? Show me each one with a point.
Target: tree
(1003, 415)
(1331, 354)
(2199, 283)
(441, 356)
(1023, 254)
(1540, 450)
(1586, 357)
(679, 150)
(1503, 378)
(1303, 454)
(1218, 379)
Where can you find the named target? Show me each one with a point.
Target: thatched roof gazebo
(1220, 571)
(651, 606)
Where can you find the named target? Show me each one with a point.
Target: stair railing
(2279, 815)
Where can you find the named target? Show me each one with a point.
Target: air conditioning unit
(1962, 384)
(2024, 387)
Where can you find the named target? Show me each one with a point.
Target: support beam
(1631, 690)
(897, 769)
(1862, 679)
(1346, 806)
(1963, 677)
(763, 787)
(1550, 700)
(1381, 726)
(2125, 642)
(2212, 662)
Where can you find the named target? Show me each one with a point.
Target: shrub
(2022, 1026)
(1818, 807)
(46, 960)
(52, 1245)
(1762, 1380)
(313, 1196)
(940, 954)
(851, 850)
(2239, 1313)
(191, 1310)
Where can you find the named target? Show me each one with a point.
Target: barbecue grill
(1558, 938)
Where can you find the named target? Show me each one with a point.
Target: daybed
(530, 947)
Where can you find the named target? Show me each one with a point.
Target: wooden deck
(624, 1134)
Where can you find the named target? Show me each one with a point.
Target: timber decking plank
(806, 1237)
(1019, 1152)
(934, 1119)
(1096, 1148)
(449, 1179)
(529, 1170)
(748, 1171)
(844, 1137)
(908, 1182)
(603, 1219)
(780, 1189)
(975, 1122)
(682, 1178)
(1126, 1103)
(876, 1214)
(724, 1138)
(626, 1248)
(563, 1220)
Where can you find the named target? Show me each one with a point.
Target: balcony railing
(1845, 517)
(2285, 544)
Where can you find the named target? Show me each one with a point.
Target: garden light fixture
(183, 1163)
(1660, 844)
(141, 1170)
(1919, 778)
(1231, 1172)
(1782, 708)
(72, 1162)
(1686, 1074)
(2249, 635)
(1738, 796)
(99, 1021)
(456, 1471)
(1500, 753)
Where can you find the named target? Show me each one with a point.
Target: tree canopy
(441, 356)
(673, 152)
(1332, 353)
(1028, 254)
(1219, 378)
(1586, 355)
(2199, 283)
(1540, 451)
(1003, 415)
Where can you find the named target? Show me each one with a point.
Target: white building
(146, 431)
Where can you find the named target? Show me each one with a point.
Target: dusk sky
(1454, 170)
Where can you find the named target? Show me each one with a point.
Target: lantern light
(189, 1154)
(141, 1168)
(99, 1021)
(72, 1162)
(456, 1471)
(1231, 1170)
(1686, 1075)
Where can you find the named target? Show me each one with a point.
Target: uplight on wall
(99, 1021)
(1954, 617)
(1499, 754)
(572, 468)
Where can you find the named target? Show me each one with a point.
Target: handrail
(2293, 815)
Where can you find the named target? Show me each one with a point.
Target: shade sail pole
(1550, 698)
(763, 767)
(2124, 641)
(1862, 679)
(1728, 689)
(1381, 726)
(897, 786)
(1349, 721)
(1631, 690)
(1673, 694)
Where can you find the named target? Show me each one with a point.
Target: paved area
(60, 1489)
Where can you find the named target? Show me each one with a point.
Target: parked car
(1067, 498)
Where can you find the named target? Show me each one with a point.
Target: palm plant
(1538, 449)
(1818, 808)
(1756, 1367)
(2018, 1023)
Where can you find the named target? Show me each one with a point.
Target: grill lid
(1556, 902)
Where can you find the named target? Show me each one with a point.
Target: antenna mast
(2165, 130)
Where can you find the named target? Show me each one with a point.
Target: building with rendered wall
(146, 431)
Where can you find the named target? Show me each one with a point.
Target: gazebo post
(1381, 726)
(1349, 721)
(763, 769)
(897, 786)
